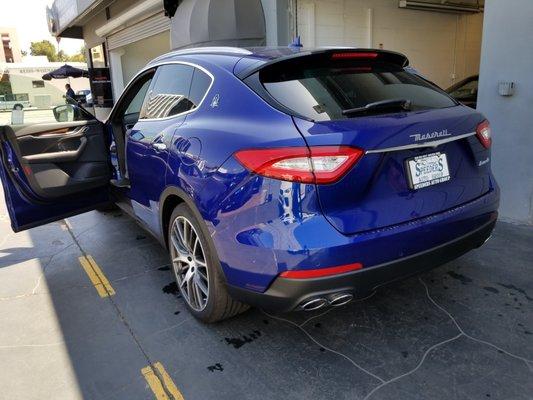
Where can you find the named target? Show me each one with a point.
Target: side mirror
(67, 113)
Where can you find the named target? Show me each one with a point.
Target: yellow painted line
(168, 382)
(97, 277)
(154, 383)
(158, 387)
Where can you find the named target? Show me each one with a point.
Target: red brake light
(349, 55)
(484, 134)
(321, 164)
(317, 273)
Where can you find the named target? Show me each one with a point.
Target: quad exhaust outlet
(314, 304)
(340, 299)
(334, 300)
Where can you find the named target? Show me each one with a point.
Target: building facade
(124, 35)
(25, 78)
(443, 41)
(9, 48)
(443, 45)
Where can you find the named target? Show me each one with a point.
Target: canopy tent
(65, 72)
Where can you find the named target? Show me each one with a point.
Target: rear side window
(200, 85)
(169, 94)
(321, 93)
(178, 88)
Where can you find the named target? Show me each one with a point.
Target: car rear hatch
(422, 155)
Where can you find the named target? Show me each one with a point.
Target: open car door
(54, 170)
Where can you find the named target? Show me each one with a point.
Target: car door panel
(53, 170)
(61, 161)
(147, 154)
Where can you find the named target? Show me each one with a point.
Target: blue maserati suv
(288, 179)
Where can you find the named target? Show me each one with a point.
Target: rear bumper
(287, 294)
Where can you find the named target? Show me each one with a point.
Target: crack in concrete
(300, 327)
(525, 360)
(125, 322)
(146, 271)
(412, 371)
(41, 275)
(79, 286)
(461, 333)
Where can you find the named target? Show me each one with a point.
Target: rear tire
(197, 269)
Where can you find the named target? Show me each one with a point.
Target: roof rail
(205, 50)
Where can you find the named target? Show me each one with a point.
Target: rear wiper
(398, 104)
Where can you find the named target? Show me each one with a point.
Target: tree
(5, 87)
(44, 48)
(80, 57)
(61, 56)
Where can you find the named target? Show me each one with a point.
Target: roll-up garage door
(141, 30)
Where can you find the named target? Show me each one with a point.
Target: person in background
(70, 93)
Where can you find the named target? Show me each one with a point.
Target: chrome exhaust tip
(313, 304)
(340, 299)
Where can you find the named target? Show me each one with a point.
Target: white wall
(439, 45)
(138, 54)
(507, 55)
(277, 22)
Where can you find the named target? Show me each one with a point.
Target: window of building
(37, 84)
(98, 57)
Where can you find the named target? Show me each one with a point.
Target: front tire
(197, 268)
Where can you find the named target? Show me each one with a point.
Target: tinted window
(466, 91)
(170, 93)
(135, 106)
(322, 93)
(200, 85)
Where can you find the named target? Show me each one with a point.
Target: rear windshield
(322, 93)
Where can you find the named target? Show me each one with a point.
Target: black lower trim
(287, 294)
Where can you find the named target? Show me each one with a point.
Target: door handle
(159, 146)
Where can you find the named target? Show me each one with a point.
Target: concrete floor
(463, 331)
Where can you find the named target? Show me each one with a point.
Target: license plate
(427, 170)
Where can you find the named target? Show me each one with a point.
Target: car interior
(60, 159)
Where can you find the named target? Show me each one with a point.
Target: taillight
(483, 133)
(321, 164)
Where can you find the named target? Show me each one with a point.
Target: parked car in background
(280, 178)
(85, 97)
(465, 91)
(17, 101)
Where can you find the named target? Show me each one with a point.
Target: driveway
(88, 309)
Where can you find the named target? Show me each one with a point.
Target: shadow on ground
(463, 331)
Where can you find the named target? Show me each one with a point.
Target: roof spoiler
(327, 56)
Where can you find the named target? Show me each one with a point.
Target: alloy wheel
(189, 263)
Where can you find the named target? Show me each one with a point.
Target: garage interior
(462, 331)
